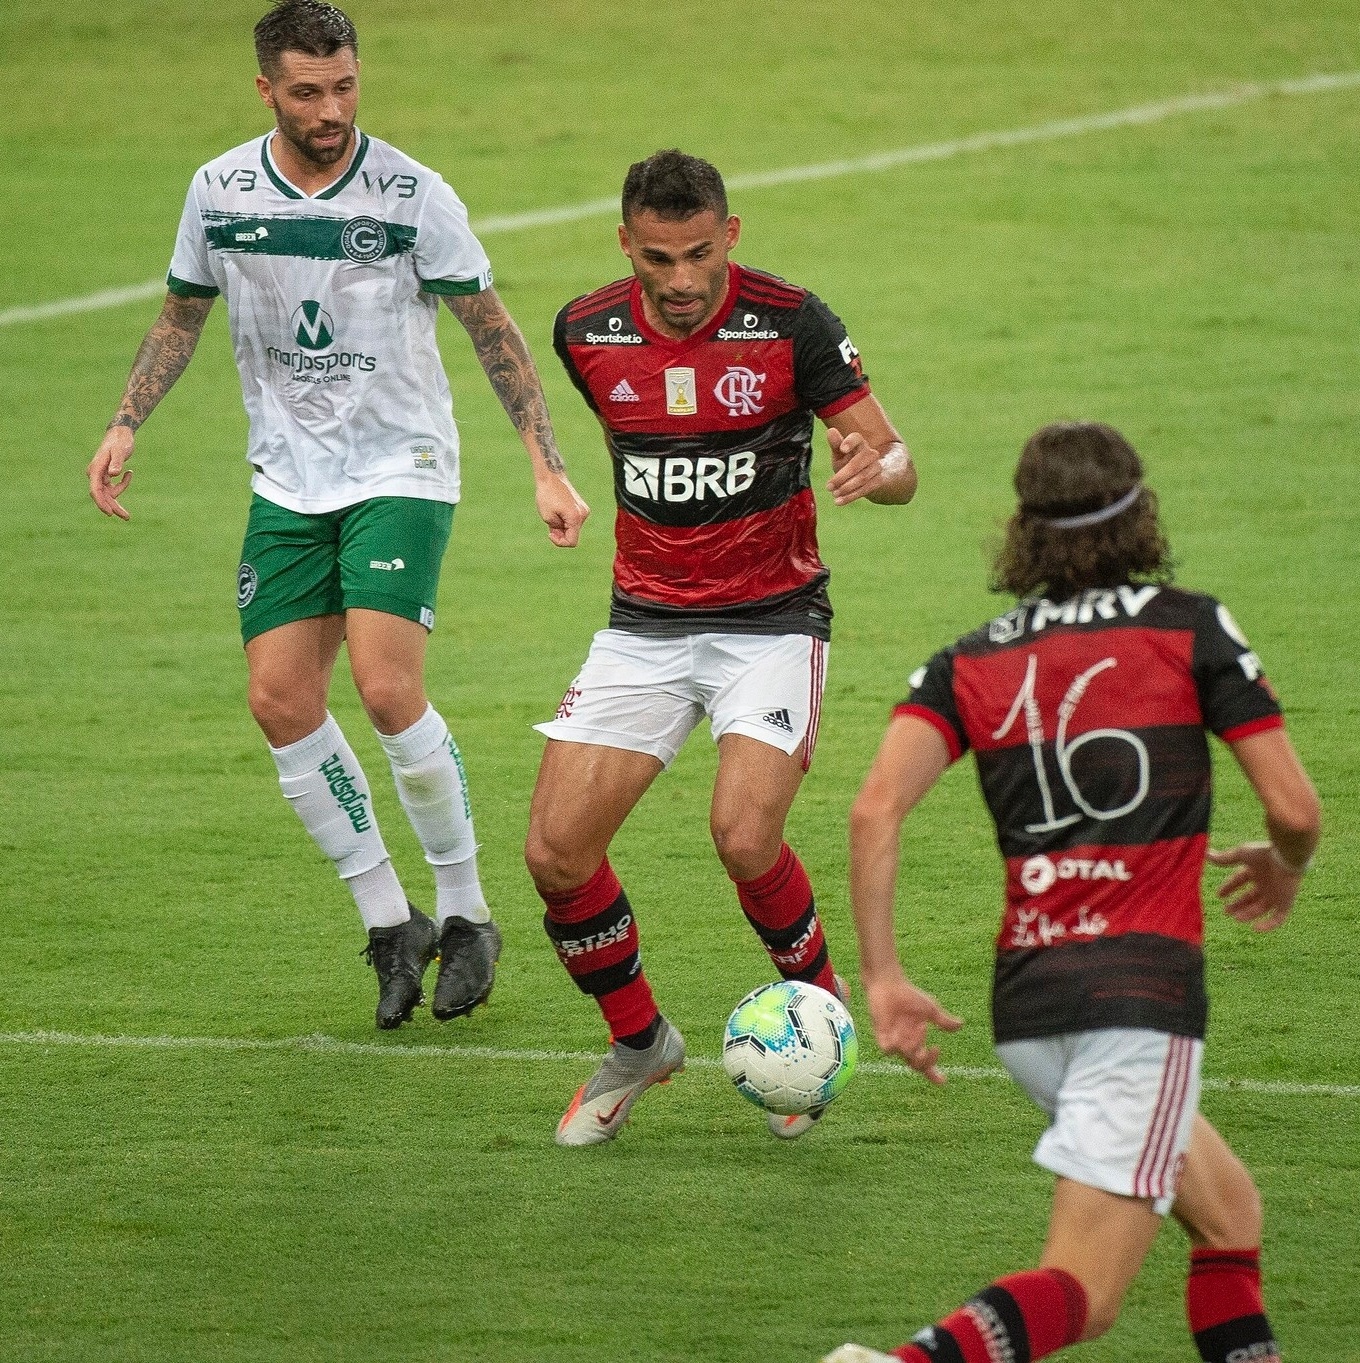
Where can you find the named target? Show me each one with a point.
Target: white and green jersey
(332, 302)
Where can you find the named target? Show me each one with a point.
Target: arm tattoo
(163, 357)
(510, 368)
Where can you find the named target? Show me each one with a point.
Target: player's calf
(595, 935)
(780, 907)
(1224, 1305)
(1024, 1316)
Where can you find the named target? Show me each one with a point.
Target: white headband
(1093, 517)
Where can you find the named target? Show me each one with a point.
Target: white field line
(326, 1045)
(1137, 115)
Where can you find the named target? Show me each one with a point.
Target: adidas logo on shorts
(623, 392)
(779, 719)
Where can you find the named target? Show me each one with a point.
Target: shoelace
(383, 955)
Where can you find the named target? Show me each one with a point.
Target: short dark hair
(310, 26)
(1072, 468)
(673, 186)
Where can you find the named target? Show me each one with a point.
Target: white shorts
(1122, 1101)
(646, 694)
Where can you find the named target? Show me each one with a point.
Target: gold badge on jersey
(680, 397)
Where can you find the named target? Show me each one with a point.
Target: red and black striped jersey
(711, 443)
(1087, 719)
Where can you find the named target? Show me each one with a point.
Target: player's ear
(266, 91)
(733, 231)
(624, 244)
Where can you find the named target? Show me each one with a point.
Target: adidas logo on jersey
(623, 392)
(779, 719)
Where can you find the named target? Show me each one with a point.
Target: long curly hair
(1072, 468)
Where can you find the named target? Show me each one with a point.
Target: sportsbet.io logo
(313, 327)
(363, 240)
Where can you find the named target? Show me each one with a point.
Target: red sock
(780, 907)
(1223, 1302)
(596, 939)
(1024, 1317)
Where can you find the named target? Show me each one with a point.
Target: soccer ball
(790, 1047)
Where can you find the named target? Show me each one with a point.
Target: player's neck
(304, 173)
(658, 323)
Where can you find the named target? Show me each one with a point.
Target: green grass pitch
(1192, 279)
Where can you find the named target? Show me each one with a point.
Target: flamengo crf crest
(739, 390)
(313, 327)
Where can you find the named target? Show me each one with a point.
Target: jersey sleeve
(827, 374)
(448, 257)
(190, 274)
(1235, 698)
(568, 363)
(932, 699)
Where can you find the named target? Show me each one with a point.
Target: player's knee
(394, 701)
(541, 858)
(553, 865)
(745, 846)
(285, 713)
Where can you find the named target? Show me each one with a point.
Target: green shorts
(382, 555)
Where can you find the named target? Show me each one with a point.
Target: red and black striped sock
(780, 907)
(1024, 1317)
(593, 931)
(1223, 1302)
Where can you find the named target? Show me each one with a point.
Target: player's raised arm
(510, 368)
(164, 355)
(868, 457)
(910, 760)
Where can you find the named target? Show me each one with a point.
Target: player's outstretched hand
(858, 469)
(108, 472)
(1261, 891)
(901, 1015)
(562, 509)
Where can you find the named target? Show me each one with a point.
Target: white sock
(458, 891)
(323, 781)
(381, 900)
(428, 770)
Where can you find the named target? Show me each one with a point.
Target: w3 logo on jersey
(313, 327)
(405, 185)
(681, 479)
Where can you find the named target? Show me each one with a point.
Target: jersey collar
(291, 191)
